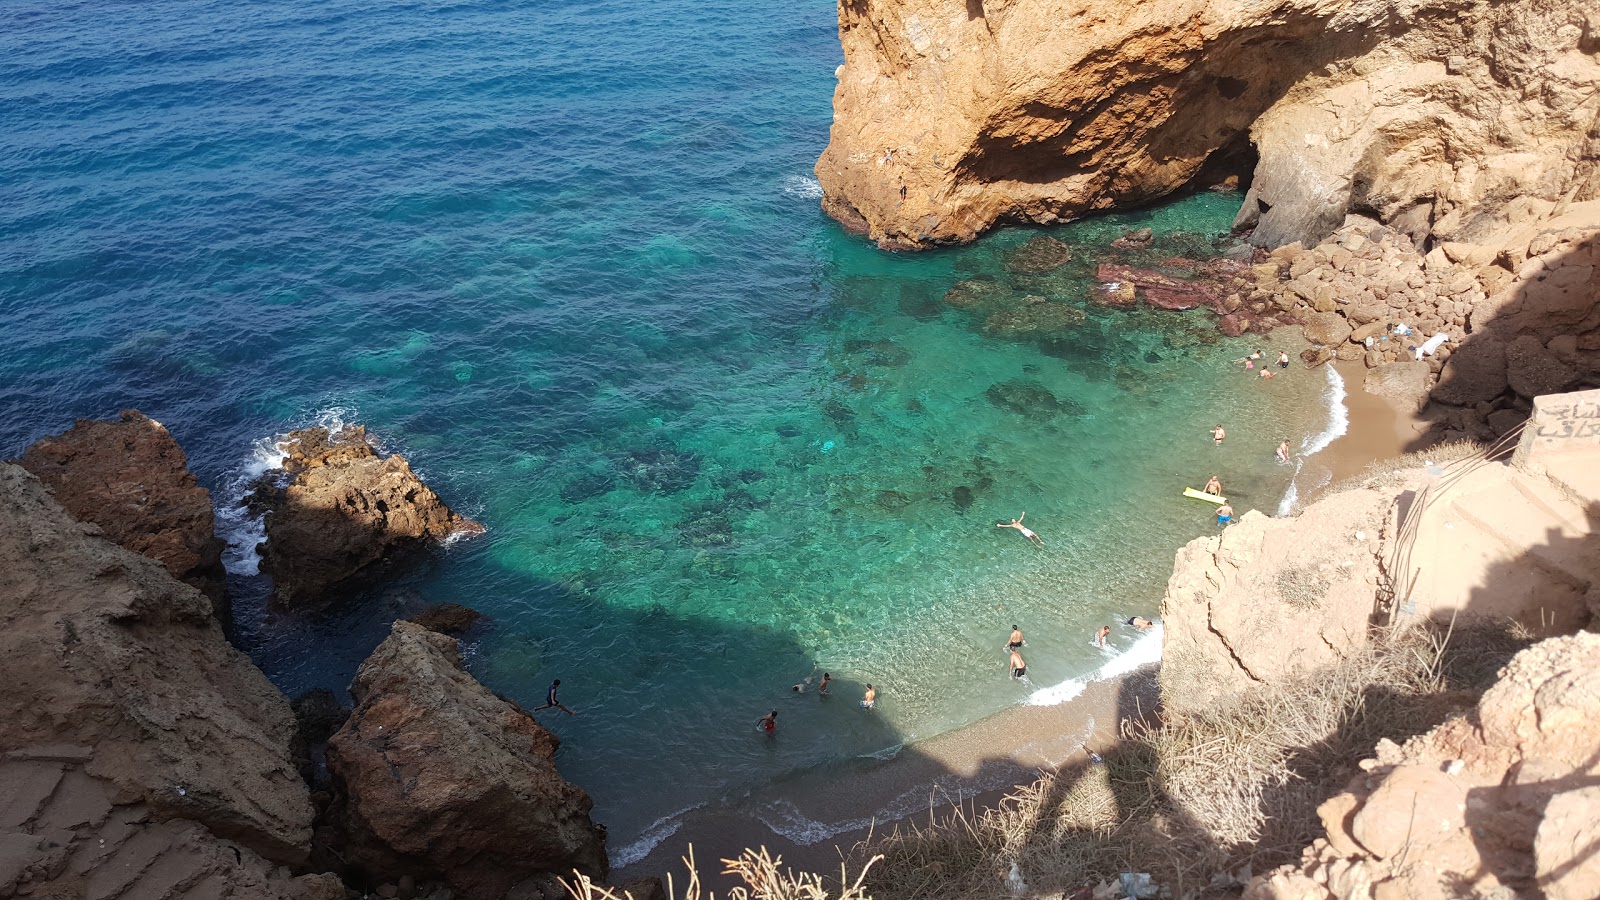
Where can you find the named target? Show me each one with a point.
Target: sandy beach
(813, 820)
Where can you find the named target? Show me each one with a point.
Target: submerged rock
(448, 618)
(439, 778)
(659, 470)
(1135, 240)
(962, 497)
(586, 487)
(1030, 399)
(884, 353)
(1039, 255)
(1033, 319)
(130, 478)
(974, 292)
(346, 511)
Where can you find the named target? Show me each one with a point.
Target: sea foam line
(651, 838)
(1145, 650)
(803, 186)
(1338, 424)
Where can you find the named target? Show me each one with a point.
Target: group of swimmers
(1214, 484)
(1251, 360)
(768, 724)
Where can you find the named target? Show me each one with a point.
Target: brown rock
(441, 778)
(104, 650)
(1135, 240)
(1039, 255)
(1568, 829)
(448, 618)
(1531, 370)
(1404, 383)
(1477, 371)
(1326, 328)
(1501, 421)
(132, 479)
(1363, 315)
(345, 511)
(1369, 330)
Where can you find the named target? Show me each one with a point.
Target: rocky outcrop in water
(132, 480)
(1450, 120)
(140, 754)
(1497, 803)
(440, 778)
(345, 512)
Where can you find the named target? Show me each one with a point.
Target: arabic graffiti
(1570, 421)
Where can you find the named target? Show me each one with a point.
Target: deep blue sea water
(568, 259)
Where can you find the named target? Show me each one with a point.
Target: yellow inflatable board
(1202, 495)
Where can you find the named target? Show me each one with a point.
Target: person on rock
(1026, 532)
(551, 701)
(768, 724)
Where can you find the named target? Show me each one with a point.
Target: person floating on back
(1214, 486)
(871, 698)
(1217, 434)
(1019, 666)
(1224, 512)
(768, 723)
(1101, 635)
(1026, 531)
(550, 699)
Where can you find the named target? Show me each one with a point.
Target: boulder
(130, 478)
(345, 512)
(1532, 370)
(1135, 240)
(1403, 383)
(104, 650)
(1476, 372)
(1039, 255)
(438, 778)
(448, 618)
(1326, 328)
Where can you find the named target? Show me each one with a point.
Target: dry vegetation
(762, 873)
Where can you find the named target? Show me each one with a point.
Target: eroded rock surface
(1448, 119)
(125, 672)
(1499, 803)
(130, 478)
(345, 511)
(442, 779)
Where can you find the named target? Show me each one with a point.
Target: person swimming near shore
(1266, 373)
(1019, 666)
(1224, 512)
(1101, 635)
(1214, 486)
(1016, 639)
(1026, 531)
(1283, 451)
(1141, 623)
(1217, 434)
(870, 699)
(801, 687)
(822, 689)
(768, 723)
(551, 701)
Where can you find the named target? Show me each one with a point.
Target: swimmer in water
(871, 698)
(1141, 623)
(1224, 512)
(822, 689)
(1101, 635)
(1217, 434)
(1026, 532)
(1283, 451)
(1019, 667)
(768, 723)
(1283, 360)
(1214, 486)
(1266, 373)
(1016, 638)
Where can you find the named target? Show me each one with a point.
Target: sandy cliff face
(104, 650)
(1450, 117)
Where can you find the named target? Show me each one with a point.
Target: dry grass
(1389, 472)
(1303, 589)
(762, 873)
(1200, 799)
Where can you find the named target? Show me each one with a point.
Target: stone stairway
(65, 836)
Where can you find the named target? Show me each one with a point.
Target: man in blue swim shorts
(1224, 513)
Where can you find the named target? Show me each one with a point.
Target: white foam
(786, 819)
(1338, 424)
(803, 186)
(242, 529)
(658, 831)
(1145, 650)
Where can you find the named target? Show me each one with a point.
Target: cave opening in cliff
(1232, 164)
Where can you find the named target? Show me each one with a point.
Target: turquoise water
(568, 259)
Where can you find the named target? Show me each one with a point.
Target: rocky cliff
(344, 513)
(140, 754)
(1451, 119)
(440, 778)
(130, 478)
(1499, 803)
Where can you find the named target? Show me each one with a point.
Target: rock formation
(1498, 803)
(1450, 120)
(440, 778)
(139, 752)
(131, 479)
(344, 512)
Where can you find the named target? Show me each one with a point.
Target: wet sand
(979, 764)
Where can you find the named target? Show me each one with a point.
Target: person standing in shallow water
(551, 701)
(1026, 531)
(1016, 639)
(1224, 512)
(1217, 434)
(1101, 635)
(768, 724)
(871, 698)
(1214, 486)
(1283, 451)
(1283, 360)
(1019, 666)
